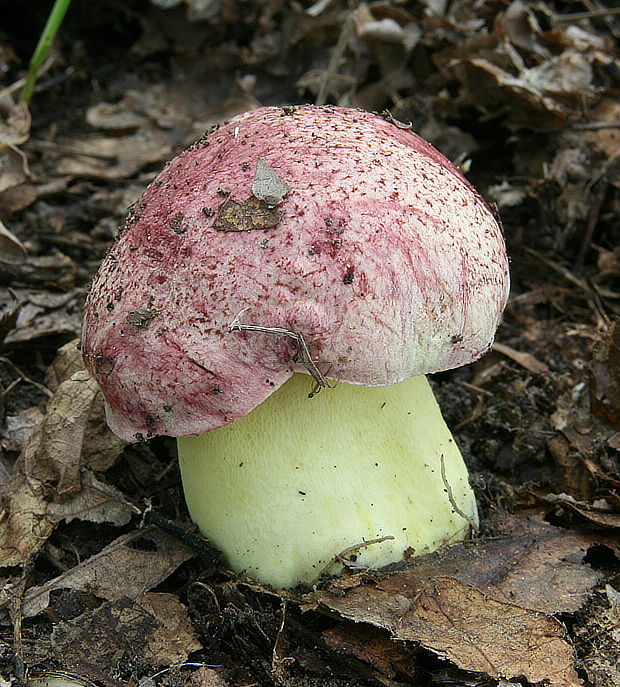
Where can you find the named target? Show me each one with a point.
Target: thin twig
(334, 62)
(596, 125)
(342, 557)
(279, 662)
(472, 523)
(61, 149)
(591, 14)
(25, 377)
(303, 353)
(386, 114)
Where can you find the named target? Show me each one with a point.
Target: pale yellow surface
(299, 480)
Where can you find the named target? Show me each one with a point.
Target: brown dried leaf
(521, 27)
(17, 198)
(68, 360)
(28, 519)
(504, 568)
(484, 604)
(72, 432)
(14, 123)
(19, 428)
(99, 575)
(464, 625)
(57, 271)
(154, 629)
(9, 310)
(593, 514)
(12, 252)
(49, 483)
(12, 168)
(487, 84)
(35, 323)
(52, 457)
(388, 658)
(100, 447)
(117, 118)
(104, 157)
(23, 525)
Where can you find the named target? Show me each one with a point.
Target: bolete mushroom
(292, 250)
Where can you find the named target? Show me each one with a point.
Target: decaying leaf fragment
(155, 630)
(9, 310)
(12, 251)
(249, 214)
(28, 518)
(386, 658)
(267, 185)
(487, 606)
(99, 574)
(605, 398)
(258, 211)
(52, 457)
(51, 481)
(105, 157)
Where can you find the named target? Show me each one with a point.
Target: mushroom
(293, 251)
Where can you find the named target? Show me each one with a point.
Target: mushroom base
(286, 489)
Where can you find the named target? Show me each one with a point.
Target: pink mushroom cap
(381, 258)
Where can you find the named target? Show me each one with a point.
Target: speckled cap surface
(379, 255)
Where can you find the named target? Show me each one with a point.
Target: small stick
(396, 122)
(342, 556)
(303, 353)
(472, 523)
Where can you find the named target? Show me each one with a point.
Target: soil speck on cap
(141, 317)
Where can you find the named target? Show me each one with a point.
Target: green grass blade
(43, 47)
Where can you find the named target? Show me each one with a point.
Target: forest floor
(102, 574)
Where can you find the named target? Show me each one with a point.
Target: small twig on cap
(455, 507)
(303, 353)
(386, 114)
